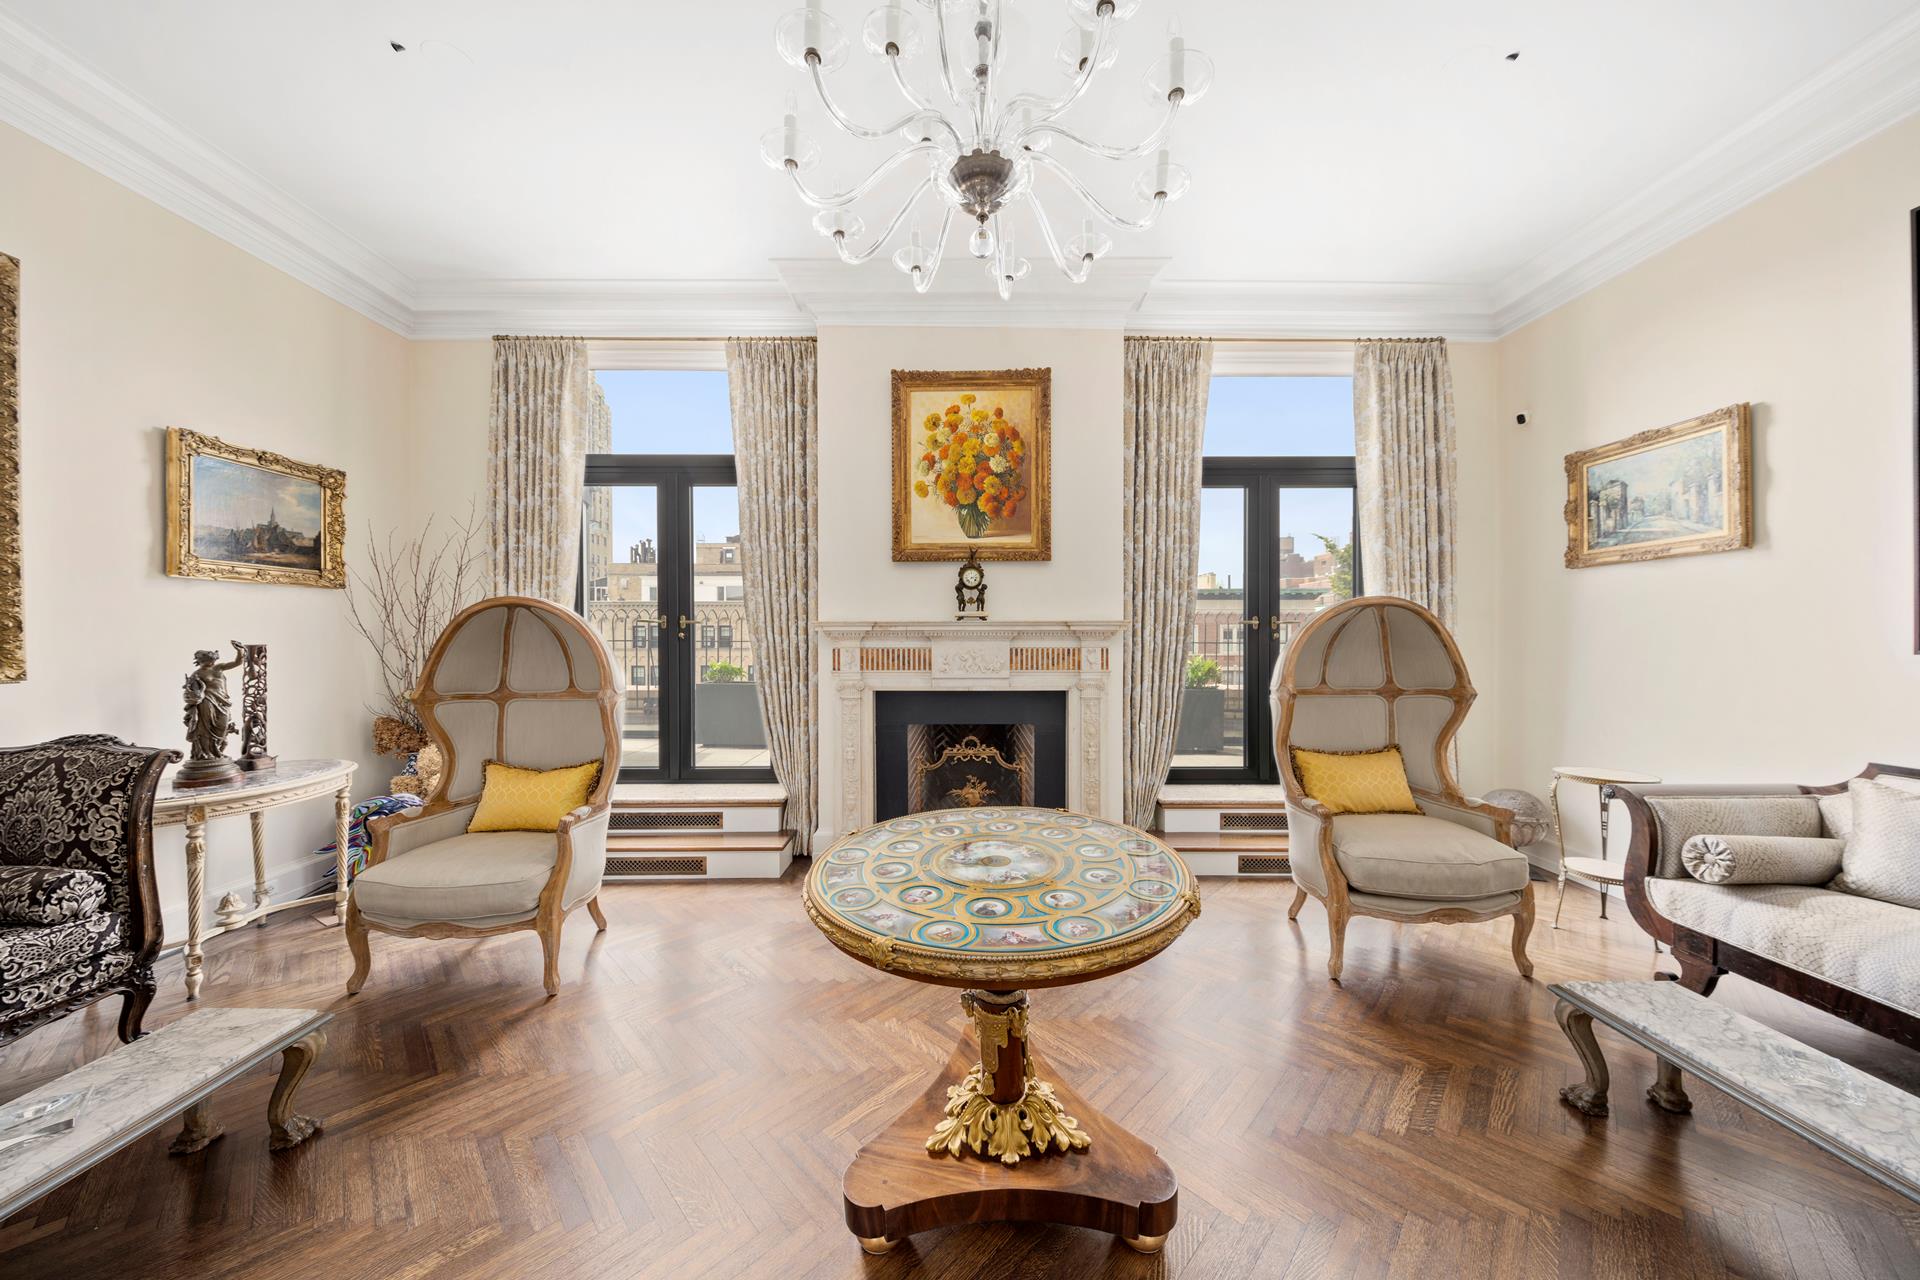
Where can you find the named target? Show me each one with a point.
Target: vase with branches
(400, 600)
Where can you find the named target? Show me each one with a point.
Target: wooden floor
(686, 1105)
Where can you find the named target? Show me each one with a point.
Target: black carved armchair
(79, 911)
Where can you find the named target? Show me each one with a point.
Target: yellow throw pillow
(1356, 781)
(514, 799)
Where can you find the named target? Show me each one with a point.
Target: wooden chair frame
(550, 915)
(1703, 958)
(1339, 905)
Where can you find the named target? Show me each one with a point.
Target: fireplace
(963, 749)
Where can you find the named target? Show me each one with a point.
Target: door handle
(1254, 622)
(684, 620)
(1273, 624)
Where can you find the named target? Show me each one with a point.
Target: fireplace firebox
(965, 749)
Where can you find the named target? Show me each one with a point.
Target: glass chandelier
(981, 146)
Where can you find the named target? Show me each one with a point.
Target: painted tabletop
(1001, 894)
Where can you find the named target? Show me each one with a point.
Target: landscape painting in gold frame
(246, 515)
(1683, 490)
(971, 464)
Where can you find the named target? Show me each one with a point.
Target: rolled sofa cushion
(1762, 859)
(50, 895)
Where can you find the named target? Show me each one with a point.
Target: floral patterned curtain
(544, 400)
(771, 384)
(1404, 459)
(1165, 418)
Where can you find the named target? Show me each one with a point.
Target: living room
(721, 617)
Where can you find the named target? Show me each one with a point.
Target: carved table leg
(1000, 1109)
(261, 895)
(196, 890)
(197, 1130)
(1606, 808)
(1667, 1091)
(288, 1129)
(342, 814)
(1590, 1096)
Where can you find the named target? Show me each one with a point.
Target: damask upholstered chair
(79, 912)
(1382, 672)
(524, 683)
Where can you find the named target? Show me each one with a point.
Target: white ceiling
(540, 162)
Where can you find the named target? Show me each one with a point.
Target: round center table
(998, 902)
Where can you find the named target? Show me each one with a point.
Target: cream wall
(133, 320)
(859, 580)
(1791, 661)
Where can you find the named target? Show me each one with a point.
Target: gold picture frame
(13, 627)
(939, 515)
(1683, 490)
(216, 528)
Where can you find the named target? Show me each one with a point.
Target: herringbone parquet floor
(685, 1108)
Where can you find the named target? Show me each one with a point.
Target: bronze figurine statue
(209, 722)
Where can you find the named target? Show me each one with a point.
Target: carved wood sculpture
(1366, 674)
(526, 683)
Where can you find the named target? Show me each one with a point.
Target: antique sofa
(1855, 957)
(79, 911)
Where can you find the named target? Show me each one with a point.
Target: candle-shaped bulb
(814, 12)
(1176, 57)
(790, 126)
(1162, 170)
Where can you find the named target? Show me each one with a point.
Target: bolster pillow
(1762, 859)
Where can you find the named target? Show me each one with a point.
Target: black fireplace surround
(895, 712)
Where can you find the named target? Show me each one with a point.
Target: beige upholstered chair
(526, 683)
(1372, 673)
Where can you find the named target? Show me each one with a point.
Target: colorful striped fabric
(357, 838)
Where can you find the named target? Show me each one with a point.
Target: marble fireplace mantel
(858, 659)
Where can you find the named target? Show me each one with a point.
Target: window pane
(728, 731)
(620, 543)
(1292, 417)
(1212, 731)
(1315, 561)
(668, 411)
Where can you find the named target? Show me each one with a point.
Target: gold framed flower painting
(971, 464)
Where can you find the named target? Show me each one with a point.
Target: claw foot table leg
(1666, 1092)
(1590, 1096)
(197, 1131)
(289, 1129)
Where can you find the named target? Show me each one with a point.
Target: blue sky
(658, 411)
(232, 495)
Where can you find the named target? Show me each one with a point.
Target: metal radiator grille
(701, 821)
(1254, 821)
(681, 866)
(1258, 864)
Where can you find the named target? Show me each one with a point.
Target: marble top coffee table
(999, 901)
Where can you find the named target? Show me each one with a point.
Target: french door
(663, 581)
(1277, 546)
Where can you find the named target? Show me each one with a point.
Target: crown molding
(52, 97)
(1874, 85)
(873, 293)
(1230, 309)
(606, 308)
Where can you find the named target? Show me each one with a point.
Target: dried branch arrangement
(401, 599)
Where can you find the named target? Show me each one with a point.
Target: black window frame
(1261, 479)
(674, 477)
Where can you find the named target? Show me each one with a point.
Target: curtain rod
(569, 337)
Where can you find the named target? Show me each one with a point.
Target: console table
(1594, 871)
(254, 794)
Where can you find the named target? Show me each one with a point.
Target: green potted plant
(1203, 709)
(726, 708)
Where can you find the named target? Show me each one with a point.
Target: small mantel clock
(971, 590)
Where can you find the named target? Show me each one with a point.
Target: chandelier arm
(1151, 142)
(860, 130)
(1047, 108)
(856, 257)
(946, 61)
(924, 280)
(1093, 202)
(841, 200)
(907, 91)
(1053, 247)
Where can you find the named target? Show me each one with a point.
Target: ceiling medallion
(980, 148)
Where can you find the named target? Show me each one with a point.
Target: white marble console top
(1865, 1121)
(138, 1087)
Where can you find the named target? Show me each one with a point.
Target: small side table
(253, 794)
(1597, 872)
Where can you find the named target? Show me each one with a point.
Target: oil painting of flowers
(970, 465)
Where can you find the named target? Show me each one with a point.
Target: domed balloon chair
(525, 683)
(1383, 672)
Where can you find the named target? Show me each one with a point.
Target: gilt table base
(895, 1186)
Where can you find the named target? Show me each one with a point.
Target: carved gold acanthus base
(1032, 1126)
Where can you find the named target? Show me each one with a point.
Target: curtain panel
(1404, 462)
(544, 409)
(1165, 419)
(770, 382)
